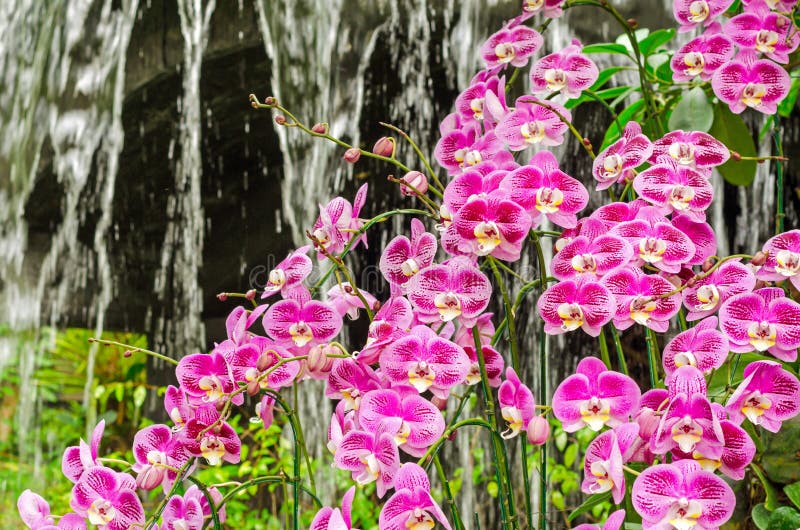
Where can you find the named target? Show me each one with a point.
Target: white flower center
(641, 307)
(682, 152)
(788, 263)
(448, 304)
(753, 93)
(652, 249)
(476, 105)
(571, 316)
(762, 335)
(532, 132)
(755, 405)
(595, 412)
(101, 512)
(548, 200)
(766, 40)
(301, 333)
(421, 376)
(488, 236)
(687, 433)
(584, 263)
(698, 11)
(708, 296)
(612, 166)
(505, 52)
(680, 197)
(695, 63)
(556, 79)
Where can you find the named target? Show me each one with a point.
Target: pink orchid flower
(764, 31)
(107, 499)
(403, 258)
(463, 335)
(694, 149)
(182, 514)
(494, 226)
(416, 422)
(79, 458)
(206, 378)
(493, 362)
(484, 101)
(602, 467)
(371, 457)
(783, 258)
(215, 445)
(517, 405)
(300, 324)
(511, 45)
(35, 513)
(642, 298)
(656, 242)
(533, 122)
(569, 305)
(237, 325)
(391, 322)
(618, 161)
(460, 150)
(568, 72)
(177, 406)
(591, 258)
(702, 56)
(689, 423)
(328, 518)
(249, 363)
(702, 346)
(764, 320)
(342, 422)
(682, 495)
(289, 273)
(446, 292)
(264, 410)
(701, 234)
(193, 492)
(615, 521)
(470, 185)
(693, 13)
(550, 8)
(707, 295)
(349, 380)
(760, 85)
(672, 187)
(777, 5)
(157, 449)
(425, 361)
(546, 191)
(411, 507)
(337, 219)
(344, 299)
(768, 396)
(595, 396)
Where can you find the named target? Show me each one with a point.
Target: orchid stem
(509, 310)
(653, 356)
(623, 366)
(448, 493)
(604, 349)
(779, 213)
(134, 349)
(421, 155)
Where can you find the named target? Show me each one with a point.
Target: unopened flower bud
(219, 405)
(384, 147)
(439, 403)
(320, 128)
(415, 180)
(128, 353)
(648, 422)
(587, 142)
(352, 155)
(222, 297)
(707, 264)
(150, 477)
(250, 295)
(759, 259)
(270, 101)
(538, 430)
(633, 23)
(264, 361)
(691, 282)
(253, 388)
(280, 119)
(452, 435)
(736, 156)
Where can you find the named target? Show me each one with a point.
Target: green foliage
(693, 112)
(730, 129)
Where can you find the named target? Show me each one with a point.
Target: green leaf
(590, 503)
(761, 516)
(730, 129)
(784, 518)
(557, 498)
(604, 76)
(570, 454)
(693, 112)
(771, 501)
(561, 440)
(605, 47)
(655, 40)
(139, 395)
(613, 133)
(793, 492)
(786, 106)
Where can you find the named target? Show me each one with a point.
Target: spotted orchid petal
(420, 422)
(411, 507)
(618, 161)
(569, 305)
(568, 72)
(533, 122)
(301, 325)
(693, 13)
(760, 85)
(493, 226)
(702, 56)
(511, 45)
(642, 298)
(675, 188)
(701, 346)
(768, 396)
(517, 404)
(289, 273)
(108, 499)
(403, 258)
(591, 258)
(783, 258)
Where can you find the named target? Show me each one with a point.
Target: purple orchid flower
(615, 521)
(411, 507)
(764, 320)
(35, 513)
(707, 295)
(656, 241)
(591, 258)
(249, 363)
(301, 324)
(511, 45)
(344, 300)
(694, 149)
(595, 396)
(783, 258)
(517, 405)
(569, 305)
(693, 13)
(107, 499)
(462, 149)
(492, 360)
(689, 423)
(550, 8)
(342, 422)
(156, 450)
(463, 335)
(371, 457)
(738, 449)
(425, 361)
(672, 187)
(764, 31)
(391, 322)
(493, 226)
(416, 422)
(328, 518)
(215, 445)
(682, 495)
(403, 258)
(484, 101)
(759, 84)
(777, 5)
(333, 229)
(642, 298)
(289, 273)
(449, 291)
(193, 492)
(702, 346)
(702, 56)
(349, 380)
(79, 458)
(544, 190)
(182, 514)
(206, 378)
(568, 72)
(177, 406)
(237, 325)
(470, 185)
(602, 468)
(768, 396)
(701, 234)
(618, 161)
(532, 123)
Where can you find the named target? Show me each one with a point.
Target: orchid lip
(708, 296)
(532, 131)
(680, 197)
(698, 11)
(505, 52)
(787, 263)
(571, 316)
(762, 335)
(514, 418)
(476, 105)
(640, 309)
(584, 263)
(687, 433)
(212, 449)
(766, 40)
(603, 482)
(753, 93)
(533, 5)
(448, 304)
(754, 407)
(212, 387)
(420, 519)
(595, 412)
(277, 277)
(682, 152)
(473, 158)
(421, 376)
(301, 333)
(548, 200)
(612, 166)
(409, 267)
(488, 236)
(695, 63)
(685, 358)
(709, 464)
(101, 512)
(652, 249)
(555, 78)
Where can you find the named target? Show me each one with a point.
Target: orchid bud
(265, 410)
(280, 119)
(384, 147)
(416, 180)
(222, 297)
(352, 155)
(150, 477)
(253, 388)
(736, 156)
(264, 362)
(759, 259)
(648, 421)
(538, 430)
(128, 353)
(707, 264)
(320, 128)
(440, 403)
(270, 101)
(250, 295)
(219, 405)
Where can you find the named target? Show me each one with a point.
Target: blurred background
(136, 183)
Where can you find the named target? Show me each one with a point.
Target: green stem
(526, 481)
(779, 213)
(448, 493)
(604, 349)
(623, 366)
(407, 138)
(653, 356)
(134, 349)
(509, 310)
